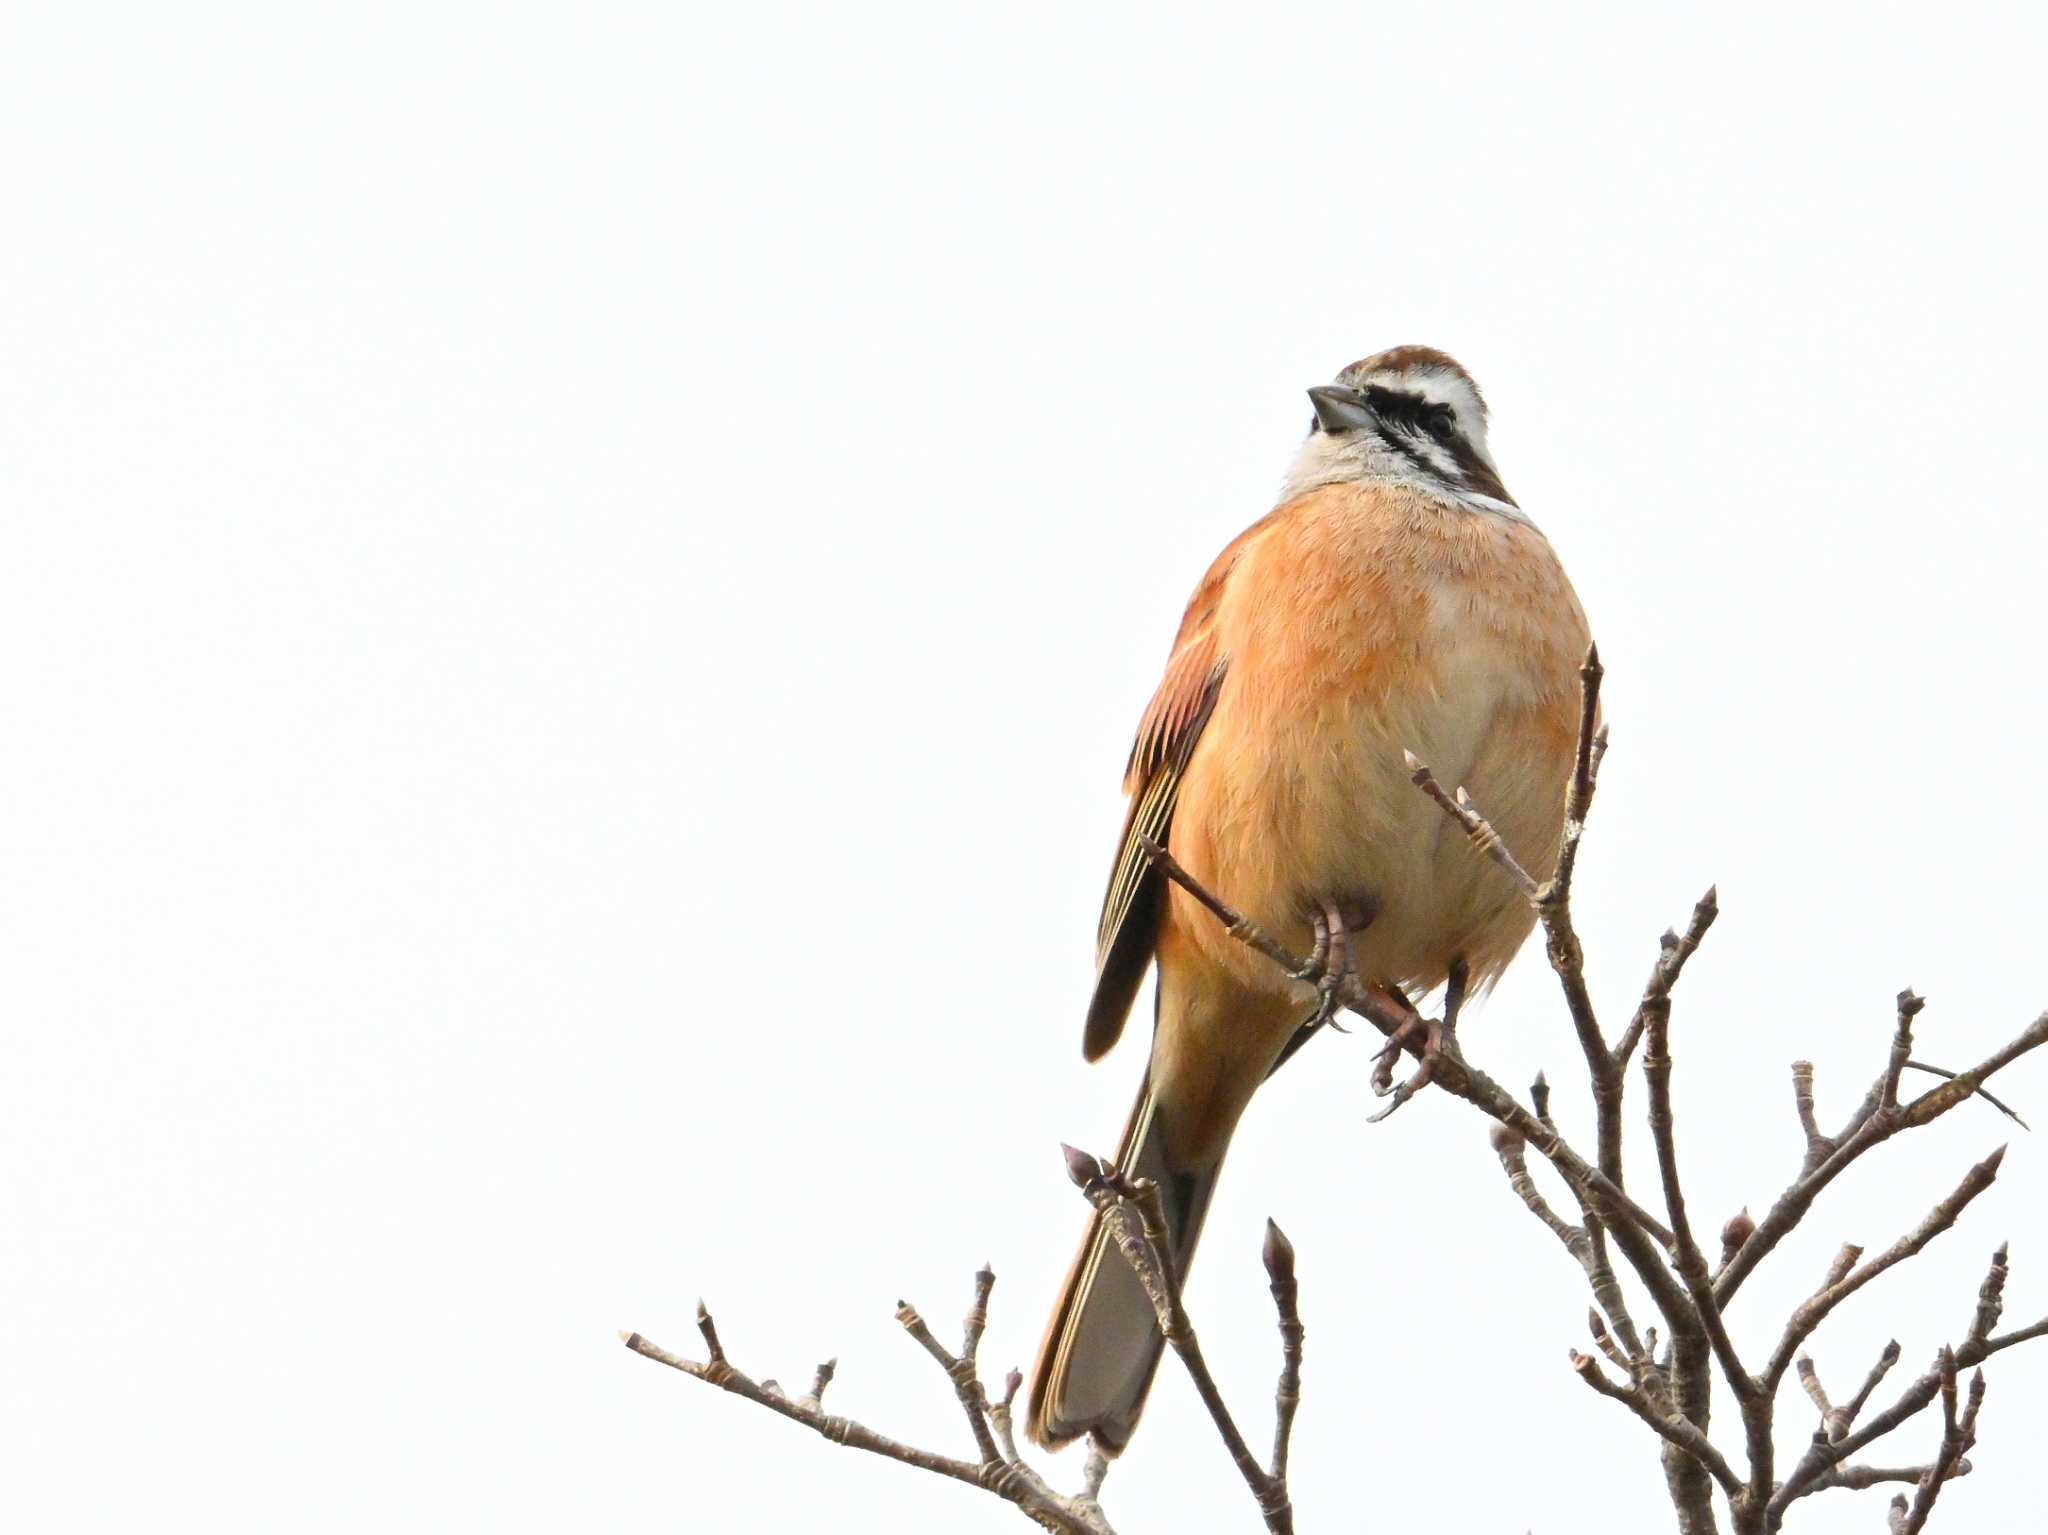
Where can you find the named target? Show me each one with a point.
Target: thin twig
(1672, 953)
(1672, 1426)
(1857, 1478)
(1956, 1437)
(1910, 1005)
(1873, 1129)
(1008, 1479)
(1821, 1455)
(1997, 1103)
(1560, 938)
(1004, 1420)
(960, 1371)
(1809, 1379)
(1586, 757)
(1655, 1012)
(1461, 809)
(1841, 1283)
(1135, 1216)
(1853, 1409)
(1585, 1243)
(1818, 1146)
(1278, 1255)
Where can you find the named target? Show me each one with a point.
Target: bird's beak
(1339, 409)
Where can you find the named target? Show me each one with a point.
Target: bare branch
(1997, 1103)
(1604, 1341)
(1000, 1415)
(1931, 1105)
(1956, 1437)
(1858, 1478)
(1841, 1283)
(1461, 809)
(1902, 1045)
(961, 1372)
(1849, 1414)
(1655, 1014)
(1561, 940)
(1674, 949)
(1586, 759)
(1867, 1129)
(1585, 1243)
(1817, 1145)
(709, 1330)
(1279, 1260)
(1672, 1426)
(1837, 1421)
(1990, 1296)
(2007, 1340)
(1008, 1478)
(1094, 1472)
(1508, 1145)
(1136, 1219)
(1809, 1378)
(1822, 1455)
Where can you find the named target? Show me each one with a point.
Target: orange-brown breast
(1357, 621)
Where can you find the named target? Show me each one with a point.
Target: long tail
(1102, 1346)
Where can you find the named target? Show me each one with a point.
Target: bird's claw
(1439, 1040)
(1327, 1008)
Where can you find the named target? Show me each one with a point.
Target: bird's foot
(1329, 963)
(1438, 1039)
(1312, 967)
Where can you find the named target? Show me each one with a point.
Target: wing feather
(1167, 733)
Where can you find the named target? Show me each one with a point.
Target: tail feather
(1103, 1345)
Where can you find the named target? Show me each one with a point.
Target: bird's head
(1409, 415)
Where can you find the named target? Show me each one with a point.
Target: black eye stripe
(1411, 412)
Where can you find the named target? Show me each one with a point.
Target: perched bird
(1396, 598)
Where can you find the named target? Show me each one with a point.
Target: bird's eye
(1441, 422)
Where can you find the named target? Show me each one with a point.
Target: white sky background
(575, 596)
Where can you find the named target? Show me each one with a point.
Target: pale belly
(1294, 799)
